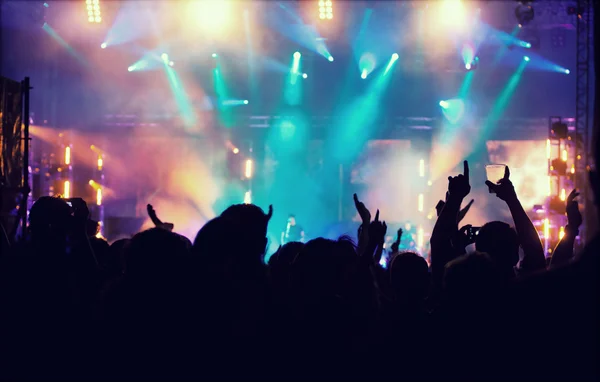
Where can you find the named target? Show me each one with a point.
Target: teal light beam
(181, 99)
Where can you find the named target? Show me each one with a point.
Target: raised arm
(529, 239)
(447, 223)
(563, 252)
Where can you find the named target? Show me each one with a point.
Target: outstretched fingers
(572, 196)
(492, 186)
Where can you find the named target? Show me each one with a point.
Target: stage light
(248, 169)
(130, 69)
(99, 196)
(248, 197)
(325, 9)
(103, 45)
(567, 71)
(46, 5)
(93, 11)
(100, 162)
(526, 58)
(236, 150)
(165, 57)
(304, 75)
(68, 155)
(525, 44)
(422, 168)
(420, 202)
(246, 102)
(420, 238)
(546, 228)
(473, 64)
(395, 56)
(210, 17)
(330, 58)
(444, 104)
(297, 55)
(171, 63)
(214, 55)
(561, 233)
(363, 75)
(67, 189)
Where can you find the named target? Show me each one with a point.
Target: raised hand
(377, 231)
(462, 213)
(396, 244)
(504, 189)
(364, 213)
(156, 221)
(572, 208)
(458, 186)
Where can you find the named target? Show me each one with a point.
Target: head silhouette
(500, 241)
(155, 254)
(50, 220)
(246, 226)
(470, 279)
(409, 277)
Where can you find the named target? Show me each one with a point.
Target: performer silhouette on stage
(292, 232)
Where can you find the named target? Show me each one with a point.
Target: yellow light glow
(248, 169)
(452, 14)
(67, 189)
(549, 191)
(547, 229)
(561, 233)
(99, 197)
(564, 155)
(100, 162)
(236, 150)
(548, 149)
(248, 197)
(420, 203)
(91, 183)
(420, 238)
(213, 16)
(422, 168)
(563, 194)
(573, 169)
(68, 155)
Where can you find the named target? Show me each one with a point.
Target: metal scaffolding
(582, 100)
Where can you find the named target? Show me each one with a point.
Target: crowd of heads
(158, 305)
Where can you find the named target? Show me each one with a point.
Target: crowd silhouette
(159, 306)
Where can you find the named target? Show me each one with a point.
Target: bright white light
(468, 66)
(364, 73)
(245, 102)
(453, 15)
(297, 55)
(395, 56)
(212, 16)
(526, 58)
(330, 58)
(164, 56)
(444, 104)
(130, 69)
(304, 75)
(171, 63)
(567, 71)
(103, 45)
